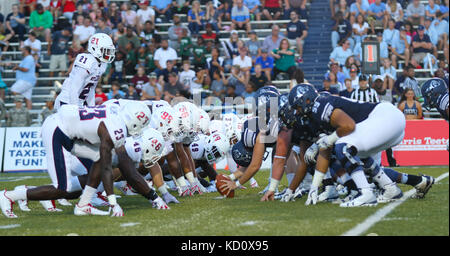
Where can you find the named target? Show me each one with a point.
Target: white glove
(116, 211)
(313, 196)
(327, 141)
(184, 191)
(288, 196)
(310, 154)
(159, 204)
(168, 198)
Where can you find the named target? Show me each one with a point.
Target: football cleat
(350, 196)
(329, 194)
(64, 202)
(125, 188)
(391, 192)
(279, 195)
(6, 205)
(88, 210)
(366, 198)
(23, 205)
(423, 187)
(49, 206)
(100, 200)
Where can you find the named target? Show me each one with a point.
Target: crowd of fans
(191, 58)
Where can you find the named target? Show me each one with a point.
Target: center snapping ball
(220, 180)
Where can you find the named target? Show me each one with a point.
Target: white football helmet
(166, 121)
(216, 147)
(102, 47)
(136, 116)
(216, 126)
(230, 122)
(152, 145)
(189, 117)
(203, 125)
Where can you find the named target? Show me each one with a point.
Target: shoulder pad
(86, 61)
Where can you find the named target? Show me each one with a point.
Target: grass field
(243, 215)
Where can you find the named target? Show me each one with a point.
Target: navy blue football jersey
(325, 105)
(442, 105)
(253, 127)
(305, 129)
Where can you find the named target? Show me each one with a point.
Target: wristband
(317, 179)
(112, 199)
(273, 184)
(232, 177)
(238, 184)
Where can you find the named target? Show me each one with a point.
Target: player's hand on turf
(268, 196)
(288, 196)
(324, 142)
(229, 185)
(159, 204)
(116, 211)
(310, 154)
(169, 198)
(313, 196)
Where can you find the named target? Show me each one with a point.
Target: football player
(79, 88)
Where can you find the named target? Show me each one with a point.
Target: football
(220, 180)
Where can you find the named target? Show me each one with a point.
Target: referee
(364, 93)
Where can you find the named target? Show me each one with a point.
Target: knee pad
(346, 155)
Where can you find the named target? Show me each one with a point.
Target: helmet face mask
(136, 117)
(102, 47)
(216, 148)
(431, 91)
(152, 145)
(108, 54)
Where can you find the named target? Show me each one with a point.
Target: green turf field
(243, 215)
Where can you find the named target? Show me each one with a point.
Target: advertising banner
(2, 144)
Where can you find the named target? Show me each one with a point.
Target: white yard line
(381, 213)
(10, 226)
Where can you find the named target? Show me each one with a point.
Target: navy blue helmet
(285, 112)
(241, 155)
(432, 90)
(263, 98)
(303, 96)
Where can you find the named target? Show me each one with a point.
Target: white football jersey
(198, 147)
(79, 88)
(156, 104)
(81, 123)
(134, 151)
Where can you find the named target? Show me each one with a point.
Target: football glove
(310, 154)
(313, 196)
(116, 211)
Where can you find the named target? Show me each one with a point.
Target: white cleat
(23, 205)
(49, 206)
(99, 200)
(88, 210)
(391, 193)
(126, 189)
(6, 205)
(366, 198)
(423, 187)
(350, 196)
(329, 194)
(64, 202)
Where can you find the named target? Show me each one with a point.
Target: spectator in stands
(84, 32)
(119, 32)
(115, 92)
(335, 84)
(129, 16)
(149, 34)
(73, 51)
(284, 59)
(139, 80)
(410, 31)
(210, 37)
(185, 45)
(379, 84)
(364, 93)
(55, 9)
(240, 17)
(421, 45)
(409, 105)
(231, 92)
(15, 25)
(297, 78)
(253, 45)
(131, 93)
(254, 7)
(130, 59)
(272, 41)
(395, 11)
(35, 45)
(102, 27)
(244, 62)
(407, 80)
(57, 49)
(215, 62)
(199, 54)
(196, 18)
(431, 9)
(354, 77)
(115, 16)
(326, 87)
(299, 6)
(271, 7)
(359, 7)
(152, 90)
(213, 17)
(176, 32)
(197, 82)
(180, 6)
(377, 12)
(41, 22)
(129, 37)
(231, 48)
(388, 73)
(173, 88)
(100, 96)
(415, 12)
(3, 112)
(384, 47)
(296, 33)
(444, 8)
(342, 30)
(249, 94)
(187, 75)
(344, 9)
(267, 62)
(400, 48)
(347, 92)
(441, 27)
(164, 74)
(27, 6)
(25, 76)
(117, 70)
(341, 53)
(258, 79)
(360, 29)
(390, 34)
(334, 68)
(347, 66)
(225, 9)
(48, 109)
(142, 57)
(218, 85)
(18, 116)
(237, 80)
(68, 8)
(163, 7)
(144, 14)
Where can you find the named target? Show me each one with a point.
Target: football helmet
(136, 116)
(263, 98)
(166, 121)
(301, 98)
(102, 47)
(285, 113)
(152, 145)
(203, 124)
(230, 122)
(189, 117)
(216, 126)
(432, 90)
(216, 147)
